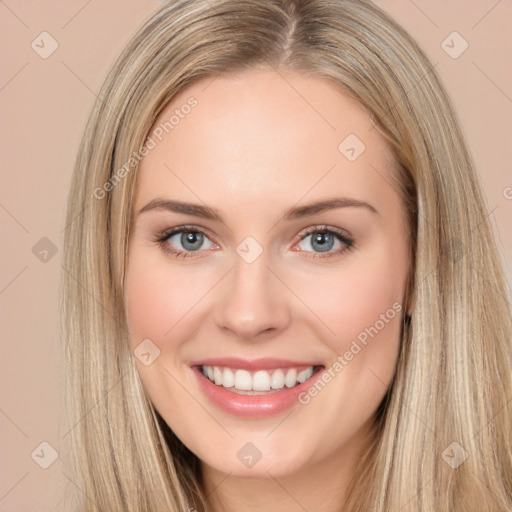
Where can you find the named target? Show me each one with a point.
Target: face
(269, 313)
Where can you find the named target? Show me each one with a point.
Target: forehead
(261, 137)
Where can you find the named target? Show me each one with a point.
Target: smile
(245, 382)
(254, 389)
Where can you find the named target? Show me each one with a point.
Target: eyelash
(162, 238)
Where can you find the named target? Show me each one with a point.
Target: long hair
(449, 399)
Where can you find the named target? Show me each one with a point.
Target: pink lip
(251, 406)
(265, 363)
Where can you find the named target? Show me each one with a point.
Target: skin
(260, 142)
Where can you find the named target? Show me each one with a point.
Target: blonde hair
(452, 380)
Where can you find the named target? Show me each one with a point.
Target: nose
(253, 303)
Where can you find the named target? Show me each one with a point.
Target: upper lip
(264, 363)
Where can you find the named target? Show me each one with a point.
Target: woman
(248, 370)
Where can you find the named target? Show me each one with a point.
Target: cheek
(362, 306)
(148, 302)
(156, 298)
(357, 298)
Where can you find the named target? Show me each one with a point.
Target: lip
(265, 363)
(252, 406)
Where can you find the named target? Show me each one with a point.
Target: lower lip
(252, 406)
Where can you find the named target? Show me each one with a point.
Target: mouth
(254, 389)
(260, 382)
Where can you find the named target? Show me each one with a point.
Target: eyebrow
(293, 213)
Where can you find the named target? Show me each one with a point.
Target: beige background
(44, 105)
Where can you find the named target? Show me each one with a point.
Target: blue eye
(193, 238)
(325, 238)
(190, 238)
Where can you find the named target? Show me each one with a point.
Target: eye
(191, 238)
(324, 240)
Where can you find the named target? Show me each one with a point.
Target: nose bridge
(253, 301)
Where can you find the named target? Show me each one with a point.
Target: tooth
(217, 375)
(277, 380)
(243, 380)
(228, 378)
(305, 374)
(261, 381)
(291, 378)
